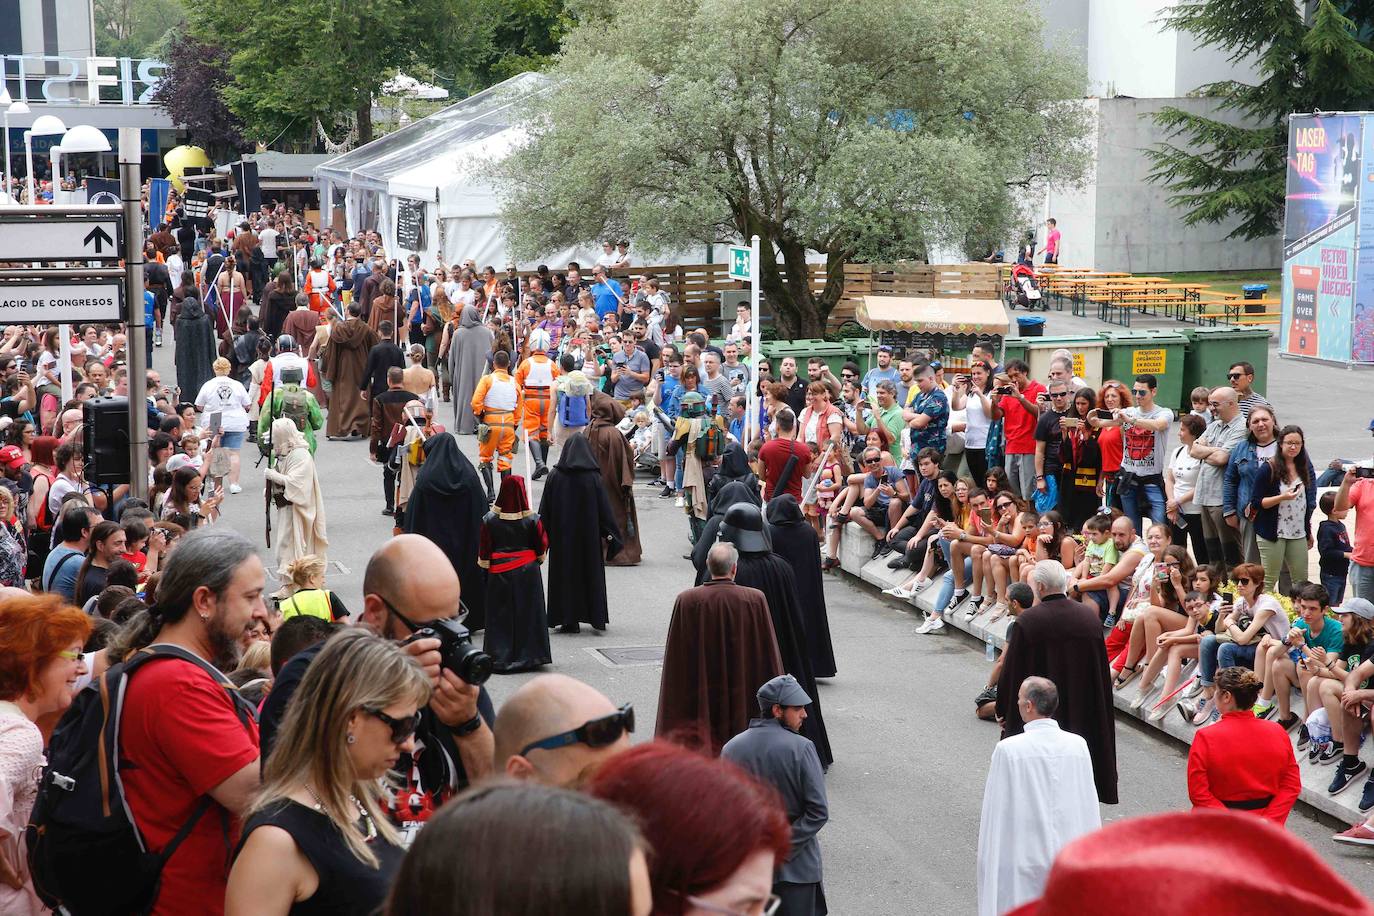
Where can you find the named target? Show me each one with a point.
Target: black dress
(578, 517)
(797, 543)
(347, 885)
(517, 635)
(447, 505)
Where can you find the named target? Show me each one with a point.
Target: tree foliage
(1314, 58)
(134, 28)
(191, 92)
(859, 129)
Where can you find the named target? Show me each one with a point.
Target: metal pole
(130, 184)
(28, 164)
(9, 173)
(751, 422)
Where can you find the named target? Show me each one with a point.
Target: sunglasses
(401, 729)
(1059, 394)
(70, 655)
(1242, 581)
(1140, 392)
(878, 460)
(1233, 375)
(596, 733)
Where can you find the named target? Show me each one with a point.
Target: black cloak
(574, 504)
(732, 492)
(734, 466)
(512, 549)
(1061, 639)
(196, 349)
(797, 543)
(771, 575)
(447, 505)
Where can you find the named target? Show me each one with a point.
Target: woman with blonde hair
(303, 579)
(316, 838)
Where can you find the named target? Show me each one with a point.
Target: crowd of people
(322, 759)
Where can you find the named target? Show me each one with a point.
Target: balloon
(179, 159)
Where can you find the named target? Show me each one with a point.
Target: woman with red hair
(40, 660)
(715, 833)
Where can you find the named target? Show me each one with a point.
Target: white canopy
(431, 169)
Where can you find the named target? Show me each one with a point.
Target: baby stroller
(1024, 290)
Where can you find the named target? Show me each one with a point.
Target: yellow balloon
(180, 158)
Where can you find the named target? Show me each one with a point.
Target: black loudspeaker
(105, 440)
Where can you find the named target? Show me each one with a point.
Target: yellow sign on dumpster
(1151, 361)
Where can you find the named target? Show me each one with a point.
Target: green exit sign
(741, 267)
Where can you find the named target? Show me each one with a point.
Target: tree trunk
(364, 114)
(798, 311)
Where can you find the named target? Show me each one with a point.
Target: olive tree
(864, 129)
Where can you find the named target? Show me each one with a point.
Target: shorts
(232, 441)
(877, 515)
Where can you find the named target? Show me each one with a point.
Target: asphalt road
(910, 758)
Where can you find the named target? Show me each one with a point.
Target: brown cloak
(386, 308)
(345, 358)
(1061, 639)
(720, 650)
(617, 462)
(301, 324)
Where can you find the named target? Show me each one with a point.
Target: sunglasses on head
(595, 733)
(401, 729)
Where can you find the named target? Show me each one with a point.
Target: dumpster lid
(932, 315)
(1143, 337)
(1029, 321)
(1255, 287)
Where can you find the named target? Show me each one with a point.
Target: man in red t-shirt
(1018, 408)
(774, 456)
(180, 736)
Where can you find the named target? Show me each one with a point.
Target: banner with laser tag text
(1319, 235)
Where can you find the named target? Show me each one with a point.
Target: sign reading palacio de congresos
(50, 80)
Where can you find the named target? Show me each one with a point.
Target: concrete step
(856, 546)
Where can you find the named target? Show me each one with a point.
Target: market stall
(945, 326)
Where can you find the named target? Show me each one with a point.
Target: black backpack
(85, 852)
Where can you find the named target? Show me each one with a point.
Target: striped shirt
(1253, 399)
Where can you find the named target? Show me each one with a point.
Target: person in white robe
(1040, 796)
(299, 525)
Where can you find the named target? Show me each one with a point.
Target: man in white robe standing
(1040, 796)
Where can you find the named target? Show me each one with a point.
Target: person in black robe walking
(573, 506)
(760, 568)
(196, 350)
(734, 491)
(734, 467)
(446, 505)
(797, 543)
(1061, 639)
(511, 548)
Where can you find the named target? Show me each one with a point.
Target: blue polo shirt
(606, 297)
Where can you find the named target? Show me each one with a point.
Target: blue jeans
(1335, 588)
(1213, 655)
(680, 465)
(1131, 502)
(1099, 598)
(947, 585)
(1362, 581)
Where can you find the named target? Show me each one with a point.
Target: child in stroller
(1024, 290)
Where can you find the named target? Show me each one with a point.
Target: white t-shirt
(976, 435)
(607, 260)
(176, 266)
(47, 362)
(1143, 449)
(1185, 468)
(227, 397)
(267, 238)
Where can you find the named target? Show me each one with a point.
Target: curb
(856, 546)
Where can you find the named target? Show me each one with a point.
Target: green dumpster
(834, 354)
(1160, 353)
(1087, 351)
(1212, 351)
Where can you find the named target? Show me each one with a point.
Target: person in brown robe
(617, 462)
(345, 361)
(721, 649)
(1061, 639)
(385, 308)
(302, 322)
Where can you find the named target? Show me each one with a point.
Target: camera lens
(474, 666)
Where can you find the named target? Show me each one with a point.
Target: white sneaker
(933, 624)
(920, 583)
(897, 591)
(235, 488)
(679, 503)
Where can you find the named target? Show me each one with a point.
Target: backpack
(711, 441)
(573, 411)
(295, 406)
(85, 852)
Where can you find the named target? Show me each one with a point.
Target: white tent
(421, 188)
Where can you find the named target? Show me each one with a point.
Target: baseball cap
(784, 691)
(1360, 607)
(11, 456)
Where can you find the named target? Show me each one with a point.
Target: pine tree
(1313, 56)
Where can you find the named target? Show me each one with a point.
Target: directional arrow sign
(59, 237)
(60, 301)
(740, 267)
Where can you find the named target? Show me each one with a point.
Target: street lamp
(10, 107)
(43, 126)
(81, 138)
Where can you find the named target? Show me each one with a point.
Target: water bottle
(989, 651)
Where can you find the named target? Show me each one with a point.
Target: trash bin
(1031, 326)
(1160, 353)
(834, 354)
(1212, 351)
(1087, 350)
(1254, 291)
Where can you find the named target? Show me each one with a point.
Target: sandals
(1125, 676)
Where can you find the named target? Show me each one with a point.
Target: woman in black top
(316, 839)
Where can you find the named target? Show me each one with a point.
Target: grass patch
(1230, 281)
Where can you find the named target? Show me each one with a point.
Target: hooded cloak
(734, 466)
(299, 527)
(733, 492)
(511, 548)
(617, 463)
(467, 355)
(196, 350)
(446, 506)
(345, 366)
(573, 506)
(797, 543)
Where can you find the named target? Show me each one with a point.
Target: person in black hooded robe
(196, 349)
(759, 567)
(447, 505)
(734, 467)
(513, 544)
(734, 491)
(797, 543)
(574, 503)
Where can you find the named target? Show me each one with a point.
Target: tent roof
(942, 315)
(440, 136)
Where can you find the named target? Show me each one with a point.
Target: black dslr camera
(459, 654)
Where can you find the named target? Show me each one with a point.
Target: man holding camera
(454, 743)
(1357, 491)
(1018, 407)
